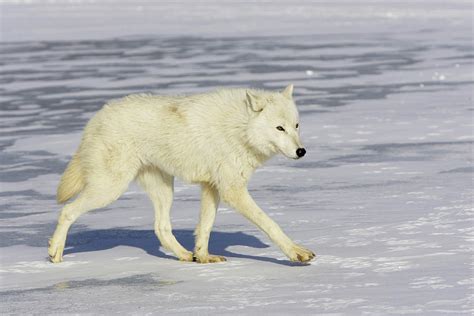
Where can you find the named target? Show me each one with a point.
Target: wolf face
(274, 126)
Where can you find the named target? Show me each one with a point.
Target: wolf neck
(235, 124)
(222, 119)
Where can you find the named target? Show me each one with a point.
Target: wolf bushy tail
(72, 182)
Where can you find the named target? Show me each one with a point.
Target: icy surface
(384, 195)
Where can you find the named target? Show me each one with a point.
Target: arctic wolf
(215, 139)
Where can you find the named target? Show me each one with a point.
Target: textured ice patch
(39, 266)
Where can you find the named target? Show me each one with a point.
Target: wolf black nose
(300, 152)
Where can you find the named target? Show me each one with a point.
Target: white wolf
(215, 139)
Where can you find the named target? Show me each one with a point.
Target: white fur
(215, 139)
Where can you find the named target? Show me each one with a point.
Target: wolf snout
(300, 152)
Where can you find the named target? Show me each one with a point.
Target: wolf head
(274, 123)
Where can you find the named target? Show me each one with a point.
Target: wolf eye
(280, 128)
(297, 125)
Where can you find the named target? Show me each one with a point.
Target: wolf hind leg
(95, 195)
(159, 187)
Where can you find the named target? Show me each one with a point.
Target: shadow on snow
(97, 240)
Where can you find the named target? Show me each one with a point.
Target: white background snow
(384, 195)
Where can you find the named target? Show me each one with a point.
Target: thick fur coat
(215, 139)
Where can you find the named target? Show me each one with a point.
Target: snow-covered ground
(384, 195)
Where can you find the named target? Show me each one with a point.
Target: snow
(384, 195)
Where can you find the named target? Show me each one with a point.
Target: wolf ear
(288, 92)
(254, 102)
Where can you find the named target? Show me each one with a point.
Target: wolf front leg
(209, 204)
(241, 200)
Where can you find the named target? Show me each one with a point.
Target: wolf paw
(187, 257)
(208, 259)
(300, 254)
(55, 252)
